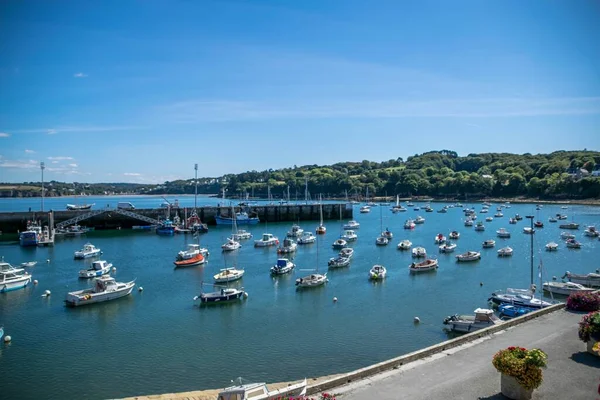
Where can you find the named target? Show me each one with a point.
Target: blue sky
(133, 91)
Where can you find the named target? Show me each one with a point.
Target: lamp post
(530, 217)
(42, 167)
(196, 183)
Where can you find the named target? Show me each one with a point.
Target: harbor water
(158, 341)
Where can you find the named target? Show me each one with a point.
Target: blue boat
(241, 218)
(166, 229)
(30, 237)
(511, 311)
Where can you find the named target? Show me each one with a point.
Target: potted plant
(521, 371)
(589, 331)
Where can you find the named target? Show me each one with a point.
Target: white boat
(98, 268)
(105, 288)
(381, 241)
(591, 231)
(454, 235)
(307, 238)
(349, 236)
(419, 220)
(512, 221)
(347, 252)
(404, 245)
(311, 280)
(225, 294)
(295, 231)
(351, 225)
(443, 210)
(29, 264)
(228, 275)
(498, 215)
(241, 234)
(480, 227)
(259, 391)
(528, 230)
(439, 238)
(565, 288)
(231, 245)
(409, 224)
(483, 318)
(387, 234)
(489, 219)
(377, 272)
(266, 240)
(505, 252)
(468, 222)
(12, 278)
(518, 297)
(419, 252)
(288, 246)
(469, 256)
(570, 225)
(429, 264)
(552, 219)
(447, 247)
(503, 233)
(483, 211)
(321, 229)
(489, 244)
(552, 246)
(283, 266)
(590, 280)
(339, 244)
(88, 250)
(192, 251)
(573, 244)
(561, 217)
(417, 208)
(338, 262)
(566, 235)
(365, 209)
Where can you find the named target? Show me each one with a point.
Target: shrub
(589, 327)
(583, 301)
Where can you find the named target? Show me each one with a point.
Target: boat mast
(196, 186)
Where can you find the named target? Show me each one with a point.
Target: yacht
(404, 245)
(231, 245)
(105, 288)
(283, 266)
(483, 318)
(377, 272)
(228, 275)
(266, 241)
(98, 268)
(565, 288)
(505, 252)
(419, 252)
(352, 225)
(307, 238)
(88, 250)
(12, 278)
(518, 297)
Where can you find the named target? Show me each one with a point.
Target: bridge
(91, 214)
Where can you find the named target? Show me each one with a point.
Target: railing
(98, 212)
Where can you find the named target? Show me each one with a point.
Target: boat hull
(207, 299)
(15, 284)
(79, 255)
(239, 221)
(77, 301)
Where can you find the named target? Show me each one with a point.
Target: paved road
(467, 372)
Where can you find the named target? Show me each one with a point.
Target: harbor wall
(13, 222)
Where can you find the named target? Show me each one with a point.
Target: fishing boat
(409, 224)
(566, 235)
(282, 267)
(349, 236)
(98, 268)
(552, 246)
(82, 207)
(377, 272)
(259, 391)
(196, 225)
(518, 297)
(231, 245)
(191, 252)
(440, 238)
(487, 244)
(468, 256)
(570, 225)
(512, 311)
(339, 244)
(105, 288)
(228, 275)
(591, 231)
(454, 235)
(321, 229)
(529, 231)
(88, 250)
(565, 288)
(381, 241)
(351, 225)
(480, 227)
(166, 228)
(419, 220)
(505, 252)
(338, 262)
(503, 233)
(288, 246)
(32, 236)
(240, 218)
(307, 238)
(266, 240)
(483, 318)
(419, 252)
(295, 231)
(573, 244)
(429, 264)
(590, 280)
(404, 245)
(223, 295)
(447, 247)
(12, 278)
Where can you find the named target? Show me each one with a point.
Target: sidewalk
(466, 372)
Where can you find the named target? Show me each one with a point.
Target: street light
(42, 167)
(530, 217)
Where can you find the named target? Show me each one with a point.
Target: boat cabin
(244, 392)
(98, 265)
(103, 283)
(485, 315)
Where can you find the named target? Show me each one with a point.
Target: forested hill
(559, 175)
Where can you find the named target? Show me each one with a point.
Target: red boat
(190, 262)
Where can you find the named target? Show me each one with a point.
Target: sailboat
(231, 243)
(193, 222)
(315, 279)
(383, 238)
(321, 229)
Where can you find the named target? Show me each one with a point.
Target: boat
(191, 253)
(241, 234)
(570, 225)
(565, 288)
(295, 231)
(404, 245)
(489, 219)
(377, 272)
(1, 331)
(321, 229)
(266, 240)
(440, 238)
(307, 238)
(98, 268)
(82, 207)
(528, 230)
(512, 221)
(387, 234)
(105, 288)
(71, 231)
(351, 225)
(347, 252)
(512, 311)
(429, 264)
(288, 246)
(195, 224)
(88, 250)
(338, 262)
(241, 218)
(454, 235)
(32, 236)
(228, 275)
(12, 278)
(365, 209)
(225, 294)
(566, 235)
(552, 246)
(166, 228)
(349, 236)
(314, 279)
(283, 266)
(339, 244)
(443, 210)
(505, 252)
(409, 224)
(564, 207)
(231, 245)
(419, 252)
(538, 224)
(381, 241)
(417, 208)
(483, 211)
(591, 231)
(419, 220)
(447, 247)
(487, 244)
(259, 391)
(590, 280)
(503, 233)
(468, 222)
(29, 264)
(468, 256)
(573, 244)
(428, 208)
(498, 215)
(552, 219)
(480, 227)
(484, 318)
(518, 297)
(561, 217)
(518, 217)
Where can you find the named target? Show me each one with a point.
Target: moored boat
(312, 280)
(518, 297)
(419, 220)
(512, 311)
(349, 236)
(454, 235)
(339, 244)
(259, 391)
(468, 256)
(166, 228)
(98, 268)
(590, 280)
(447, 247)
(404, 245)
(538, 224)
(283, 266)
(573, 244)
(480, 227)
(409, 224)
(483, 318)
(231, 245)
(307, 238)
(489, 243)
(365, 209)
(228, 275)
(12, 278)
(193, 260)
(295, 231)
(419, 252)
(552, 246)
(223, 295)
(338, 262)
(351, 225)
(377, 272)
(381, 241)
(565, 288)
(241, 234)
(347, 252)
(591, 231)
(32, 236)
(266, 240)
(105, 288)
(288, 246)
(505, 252)
(570, 225)
(503, 233)
(528, 230)
(241, 218)
(440, 238)
(429, 264)
(88, 250)
(567, 235)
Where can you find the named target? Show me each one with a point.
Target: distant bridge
(91, 214)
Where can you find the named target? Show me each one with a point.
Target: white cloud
(73, 165)
(54, 162)
(51, 131)
(78, 129)
(29, 151)
(80, 75)
(4, 134)
(19, 164)
(60, 158)
(132, 174)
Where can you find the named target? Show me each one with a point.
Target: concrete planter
(591, 344)
(511, 389)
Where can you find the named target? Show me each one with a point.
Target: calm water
(157, 341)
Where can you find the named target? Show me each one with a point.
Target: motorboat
(166, 228)
(377, 272)
(288, 246)
(428, 208)
(561, 217)
(552, 219)
(440, 238)
(311, 280)
(565, 288)
(590, 280)
(347, 252)
(190, 261)
(88, 250)
(591, 231)
(570, 225)
(419, 252)
(429, 264)
(564, 207)
(222, 295)
(443, 210)
(566, 235)
(538, 224)
(338, 262)
(349, 236)
(387, 234)
(231, 245)
(351, 225)
(518, 217)
(503, 233)
(12, 278)
(447, 247)
(191, 252)
(381, 241)
(505, 252)
(295, 231)
(399, 208)
(409, 224)
(404, 245)
(29, 264)
(489, 219)
(468, 256)
(512, 221)
(98, 268)
(487, 244)
(365, 209)
(197, 226)
(498, 215)
(518, 297)
(105, 288)
(417, 208)
(483, 211)
(454, 235)
(480, 227)
(259, 391)
(468, 222)
(283, 266)
(71, 231)
(573, 244)
(484, 318)
(511, 311)
(339, 244)
(32, 236)
(528, 230)
(241, 218)
(321, 229)
(552, 246)
(76, 207)
(419, 220)
(228, 275)
(266, 240)
(307, 238)
(241, 234)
